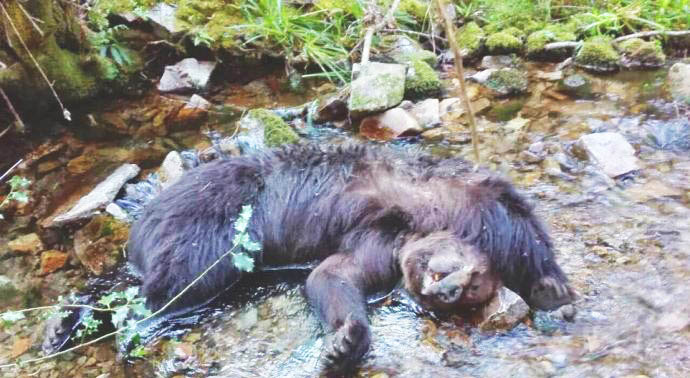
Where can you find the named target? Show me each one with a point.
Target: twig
(450, 34)
(427, 35)
(32, 19)
(562, 45)
(374, 28)
(12, 110)
(11, 169)
(65, 113)
(669, 33)
(120, 330)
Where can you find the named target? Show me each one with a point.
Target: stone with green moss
(597, 55)
(276, 131)
(421, 81)
(470, 39)
(552, 33)
(507, 82)
(503, 43)
(379, 86)
(8, 292)
(637, 53)
(403, 49)
(505, 111)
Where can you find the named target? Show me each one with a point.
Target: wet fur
(350, 208)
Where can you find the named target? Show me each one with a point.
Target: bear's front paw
(348, 345)
(550, 293)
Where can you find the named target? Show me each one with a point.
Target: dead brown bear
(369, 215)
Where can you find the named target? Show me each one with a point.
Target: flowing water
(625, 245)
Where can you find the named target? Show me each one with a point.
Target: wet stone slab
(611, 152)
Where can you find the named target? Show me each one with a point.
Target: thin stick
(374, 28)
(65, 113)
(670, 33)
(12, 110)
(11, 169)
(450, 34)
(31, 19)
(120, 330)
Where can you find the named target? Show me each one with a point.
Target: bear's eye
(474, 287)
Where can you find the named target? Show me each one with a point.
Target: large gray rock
(99, 197)
(679, 82)
(610, 151)
(187, 75)
(163, 18)
(426, 112)
(404, 50)
(379, 86)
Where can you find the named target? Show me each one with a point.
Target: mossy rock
(503, 43)
(597, 55)
(637, 53)
(507, 82)
(416, 8)
(403, 49)
(470, 39)
(553, 33)
(505, 111)
(421, 81)
(276, 131)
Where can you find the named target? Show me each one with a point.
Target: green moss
(403, 49)
(597, 54)
(552, 33)
(503, 43)
(515, 32)
(640, 53)
(506, 111)
(421, 80)
(349, 7)
(276, 131)
(471, 38)
(507, 81)
(415, 8)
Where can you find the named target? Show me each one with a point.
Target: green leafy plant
(123, 303)
(108, 45)
(18, 192)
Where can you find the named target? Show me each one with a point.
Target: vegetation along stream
(584, 105)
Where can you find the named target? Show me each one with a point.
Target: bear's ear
(506, 194)
(393, 220)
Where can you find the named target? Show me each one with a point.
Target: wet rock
(597, 55)
(610, 151)
(48, 166)
(193, 112)
(679, 82)
(379, 86)
(496, 62)
(506, 110)
(671, 135)
(421, 80)
(29, 243)
(535, 153)
(116, 211)
(504, 42)
(550, 76)
(674, 321)
(389, 125)
(20, 346)
(450, 136)
(505, 312)
(576, 86)
(451, 109)
(99, 197)
(99, 243)
(426, 112)
(187, 75)
(332, 107)
(52, 260)
(404, 50)
(637, 53)
(470, 39)
(163, 17)
(171, 169)
(263, 127)
(507, 82)
(8, 291)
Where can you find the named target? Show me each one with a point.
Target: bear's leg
(336, 291)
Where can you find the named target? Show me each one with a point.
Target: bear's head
(445, 274)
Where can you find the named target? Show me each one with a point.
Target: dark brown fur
(353, 209)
